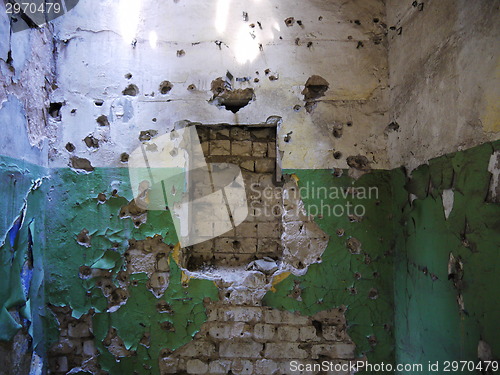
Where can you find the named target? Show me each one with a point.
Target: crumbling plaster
(97, 50)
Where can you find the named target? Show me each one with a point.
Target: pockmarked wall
(446, 218)
(444, 73)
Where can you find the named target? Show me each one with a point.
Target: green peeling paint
(401, 305)
(76, 198)
(430, 324)
(23, 190)
(343, 278)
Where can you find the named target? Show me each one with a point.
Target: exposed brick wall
(253, 149)
(261, 340)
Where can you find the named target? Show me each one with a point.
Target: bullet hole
(297, 108)
(273, 77)
(73, 111)
(393, 126)
(299, 22)
(81, 164)
(354, 245)
(55, 110)
(318, 326)
(373, 293)
(260, 25)
(315, 88)
(420, 7)
(288, 137)
(337, 154)
(131, 90)
(358, 162)
(320, 18)
(352, 291)
(399, 31)
(267, 71)
(84, 272)
(181, 53)
(376, 20)
(147, 135)
(355, 218)
(372, 340)
(128, 75)
(256, 80)
(357, 22)
(191, 87)
(289, 21)
(340, 232)
(154, 119)
(163, 307)
(337, 172)
(124, 157)
(231, 100)
(165, 87)
(252, 25)
(310, 106)
(102, 120)
(70, 147)
(91, 142)
(337, 130)
(349, 123)
(309, 44)
(167, 326)
(101, 197)
(83, 238)
(360, 44)
(99, 102)
(368, 259)
(376, 274)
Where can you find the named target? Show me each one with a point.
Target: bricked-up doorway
(253, 149)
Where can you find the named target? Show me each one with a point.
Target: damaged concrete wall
(126, 67)
(444, 65)
(26, 77)
(446, 258)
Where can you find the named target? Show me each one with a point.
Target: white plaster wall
(444, 77)
(99, 42)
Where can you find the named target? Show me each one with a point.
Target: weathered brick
(266, 367)
(240, 349)
(220, 366)
(197, 348)
(220, 147)
(79, 330)
(294, 318)
(308, 333)
(333, 333)
(264, 331)
(284, 350)
(288, 333)
(259, 149)
(338, 350)
(265, 165)
(242, 367)
(241, 314)
(224, 331)
(169, 365)
(241, 148)
(195, 366)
